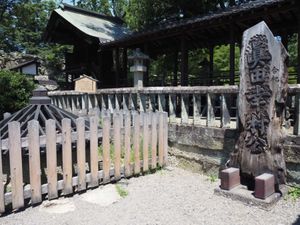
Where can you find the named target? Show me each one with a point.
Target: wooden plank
(210, 120)
(143, 102)
(111, 103)
(117, 102)
(117, 144)
(161, 102)
(106, 148)
(165, 127)
(197, 109)
(94, 151)
(80, 125)
(136, 143)
(184, 108)
(43, 139)
(225, 119)
(127, 144)
(2, 204)
(172, 108)
(67, 156)
(51, 159)
(15, 159)
(154, 141)
(146, 142)
(125, 101)
(161, 139)
(34, 161)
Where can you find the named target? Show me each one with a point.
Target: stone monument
(262, 97)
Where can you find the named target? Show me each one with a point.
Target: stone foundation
(206, 149)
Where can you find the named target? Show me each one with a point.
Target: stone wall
(205, 149)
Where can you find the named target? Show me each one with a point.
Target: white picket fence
(139, 143)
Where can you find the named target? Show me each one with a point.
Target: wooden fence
(129, 144)
(211, 106)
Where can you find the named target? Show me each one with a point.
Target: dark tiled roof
(202, 19)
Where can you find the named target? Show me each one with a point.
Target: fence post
(127, 143)
(184, 108)
(34, 161)
(161, 102)
(165, 138)
(80, 128)
(51, 158)
(117, 144)
(67, 156)
(124, 101)
(196, 109)
(94, 151)
(172, 108)
(106, 148)
(136, 143)
(146, 142)
(154, 141)
(161, 144)
(15, 159)
(210, 112)
(225, 117)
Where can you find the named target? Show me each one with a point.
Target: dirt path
(172, 196)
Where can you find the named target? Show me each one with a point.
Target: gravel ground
(170, 196)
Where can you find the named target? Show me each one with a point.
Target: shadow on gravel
(297, 222)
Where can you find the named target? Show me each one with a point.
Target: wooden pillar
(175, 71)
(211, 64)
(184, 63)
(146, 74)
(117, 68)
(232, 56)
(124, 67)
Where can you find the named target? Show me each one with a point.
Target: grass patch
(212, 178)
(294, 192)
(121, 191)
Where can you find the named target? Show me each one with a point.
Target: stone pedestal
(138, 75)
(264, 186)
(230, 178)
(138, 67)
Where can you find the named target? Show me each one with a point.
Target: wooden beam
(231, 56)
(211, 64)
(146, 74)
(175, 71)
(184, 62)
(124, 67)
(117, 68)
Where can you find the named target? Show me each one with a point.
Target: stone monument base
(241, 193)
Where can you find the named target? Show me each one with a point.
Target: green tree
(15, 91)
(100, 6)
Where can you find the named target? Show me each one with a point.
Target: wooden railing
(212, 106)
(129, 144)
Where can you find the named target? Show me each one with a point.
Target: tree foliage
(22, 23)
(15, 90)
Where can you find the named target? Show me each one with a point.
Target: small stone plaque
(264, 186)
(230, 178)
